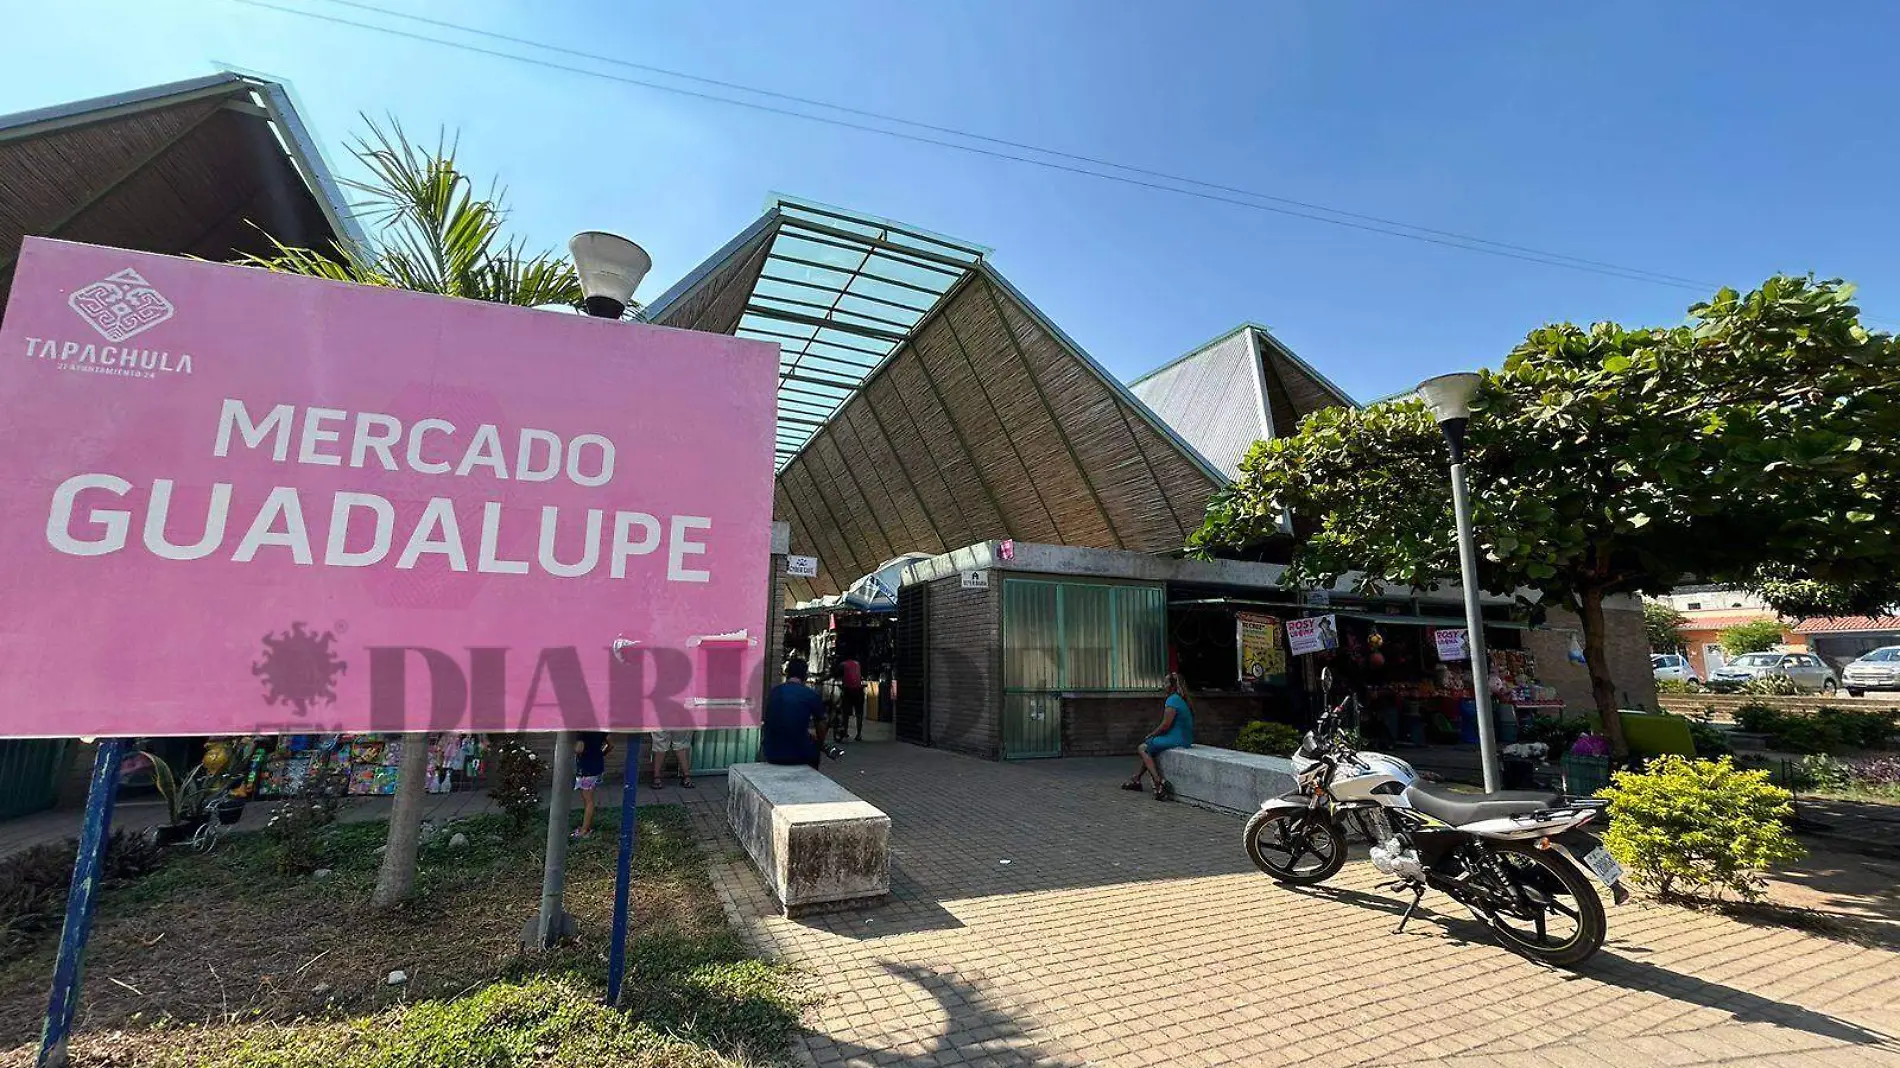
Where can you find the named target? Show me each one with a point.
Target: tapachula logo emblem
(299, 668)
(121, 305)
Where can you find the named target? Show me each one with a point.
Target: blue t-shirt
(1182, 730)
(785, 734)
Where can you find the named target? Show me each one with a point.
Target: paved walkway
(1039, 916)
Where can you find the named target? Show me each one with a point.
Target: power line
(1005, 142)
(1206, 190)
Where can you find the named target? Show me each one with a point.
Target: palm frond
(434, 234)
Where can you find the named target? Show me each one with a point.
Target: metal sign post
(623, 875)
(87, 866)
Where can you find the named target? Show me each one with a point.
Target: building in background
(1242, 387)
(926, 406)
(1840, 640)
(1710, 610)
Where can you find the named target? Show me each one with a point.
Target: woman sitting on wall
(1175, 732)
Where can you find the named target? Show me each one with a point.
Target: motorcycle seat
(1459, 809)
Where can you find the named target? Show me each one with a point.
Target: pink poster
(233, 501)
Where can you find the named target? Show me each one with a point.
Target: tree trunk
(1596, 659)
(398, 874)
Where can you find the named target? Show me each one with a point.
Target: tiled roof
(1707, 620)
(1848, 624)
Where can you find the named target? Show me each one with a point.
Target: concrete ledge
(1226, 779)
(818, 846)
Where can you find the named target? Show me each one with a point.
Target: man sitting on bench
(793, 728)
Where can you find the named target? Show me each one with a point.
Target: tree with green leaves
(1756, 444)
(1756, 636)
(432, 233)
(1663, 625)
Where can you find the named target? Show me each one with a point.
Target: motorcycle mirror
(1326, 679)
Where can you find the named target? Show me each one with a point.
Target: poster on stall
(1261, 654)
(1452, 643)
(1314, 635)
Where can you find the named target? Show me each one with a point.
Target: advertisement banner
(1314, 635)
(1261, 654)
(1452, 643)
(233, 501)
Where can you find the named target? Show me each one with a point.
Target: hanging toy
(217, 757)
(1377, 642)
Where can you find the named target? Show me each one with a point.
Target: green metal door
(718, 750)
(1032, 725)
(1032, 670)
(30, 769)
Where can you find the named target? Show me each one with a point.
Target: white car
(1673, 667)
(1878, 670)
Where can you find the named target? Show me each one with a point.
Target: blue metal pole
(79, 902)
(623, 876)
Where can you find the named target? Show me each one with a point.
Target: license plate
(1604, 865)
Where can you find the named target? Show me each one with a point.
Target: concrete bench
(1226, 778)
(817, 845)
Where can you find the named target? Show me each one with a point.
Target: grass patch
(219, 961)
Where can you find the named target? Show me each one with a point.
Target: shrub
(514, 778)
(1674, 686)
(1758, 718)
(1879, 771)
(1861, 729)
(1556, 733)
(295, 821)
(1771, 686)
(34, 881)
(1710, 741)
(1818, 771)
(1273, 739)
(1699, 827)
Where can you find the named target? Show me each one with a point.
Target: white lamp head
(1449, 396)
(610, 269)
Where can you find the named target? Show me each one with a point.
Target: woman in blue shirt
(1175, 732)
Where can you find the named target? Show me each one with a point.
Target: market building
(928, 408)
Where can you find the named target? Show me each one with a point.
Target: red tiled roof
(1708, 620)
(1847, 624)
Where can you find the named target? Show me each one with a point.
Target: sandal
(687, 784)
(656, 784)
(1164, 791)
(1132, 784)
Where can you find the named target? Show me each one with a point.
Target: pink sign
(235, 502)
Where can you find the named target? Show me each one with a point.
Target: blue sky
(1718, 142)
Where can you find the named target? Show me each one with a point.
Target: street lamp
(1449, 398)
(611, 268)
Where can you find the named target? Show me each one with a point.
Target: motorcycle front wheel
(1556, 916)
(1295, 846)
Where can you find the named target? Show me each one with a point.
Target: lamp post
(1449, 398)
(610, 269)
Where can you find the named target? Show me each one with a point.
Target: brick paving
(1039, 916)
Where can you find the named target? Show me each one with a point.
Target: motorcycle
(1515, 859)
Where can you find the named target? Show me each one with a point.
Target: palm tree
(432, 234)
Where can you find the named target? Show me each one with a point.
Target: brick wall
(1112, 725)
(966, 668)
(1625, 642)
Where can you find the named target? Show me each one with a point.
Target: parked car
(1878, 670)
(1674, 667)
(1808, 671)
